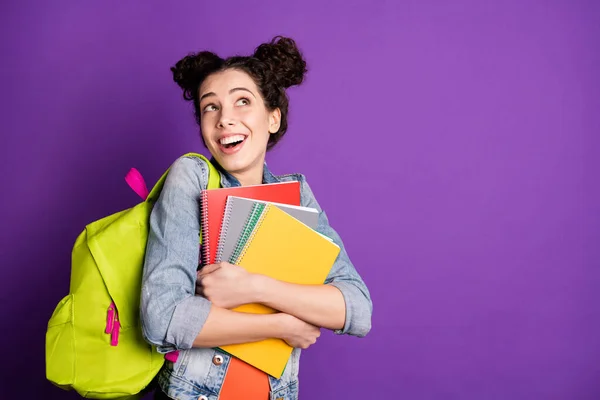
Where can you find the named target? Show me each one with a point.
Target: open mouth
(231, 143)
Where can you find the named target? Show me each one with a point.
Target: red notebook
(215, 200)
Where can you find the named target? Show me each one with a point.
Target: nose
(226, 118)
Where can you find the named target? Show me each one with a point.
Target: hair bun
(190, 70)
(284, 60)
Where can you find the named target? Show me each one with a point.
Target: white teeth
(231, 139)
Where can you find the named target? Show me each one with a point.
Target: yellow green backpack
(94, 342)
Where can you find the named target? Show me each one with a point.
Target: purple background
(454, 147)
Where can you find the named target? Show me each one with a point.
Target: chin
(233, 166)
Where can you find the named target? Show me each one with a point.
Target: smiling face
(236, 124)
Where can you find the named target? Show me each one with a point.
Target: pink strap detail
(135, 180)
(114, 337)
(172, 356)
(113, 326)
(110, 316)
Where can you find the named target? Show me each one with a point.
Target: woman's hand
(226, 285)
(298, 333)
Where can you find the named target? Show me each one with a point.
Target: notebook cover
(243, 381)
(213, 207)
(288, 250)
(237, 213)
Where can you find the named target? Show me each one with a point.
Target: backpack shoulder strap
(214, 180)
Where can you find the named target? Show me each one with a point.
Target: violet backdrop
(453, 145)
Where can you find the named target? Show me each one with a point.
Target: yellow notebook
(283, 248)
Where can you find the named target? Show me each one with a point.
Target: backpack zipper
(112, 324)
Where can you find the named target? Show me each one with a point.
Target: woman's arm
(223, 327)
(230, 286)
(321, 305)
(343, 304)
(171, 317)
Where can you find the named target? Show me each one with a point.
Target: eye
(242, 102)
(210, 107)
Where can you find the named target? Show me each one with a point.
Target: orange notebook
(213, 208)
(282, 247)
(243, 382)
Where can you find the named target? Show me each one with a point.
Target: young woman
(241, 107)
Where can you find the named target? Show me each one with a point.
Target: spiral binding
(224, 228)
(261, 218)
(251, 221)
(205, 233)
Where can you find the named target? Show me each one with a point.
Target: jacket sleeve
(171, 315)
(343, 275)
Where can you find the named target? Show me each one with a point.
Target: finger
(209, 269)
(204, 280)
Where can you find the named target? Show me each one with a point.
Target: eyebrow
(237, 89)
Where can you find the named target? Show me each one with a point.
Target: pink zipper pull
(110, 316)
(114, 335)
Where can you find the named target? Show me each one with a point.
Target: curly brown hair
(274, 67)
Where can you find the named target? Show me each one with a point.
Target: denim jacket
(172, 315)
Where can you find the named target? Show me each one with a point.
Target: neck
(250, 177)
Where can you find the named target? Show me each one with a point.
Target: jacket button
(218, 359)
(203, 397)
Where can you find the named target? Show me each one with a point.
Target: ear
(274, 120)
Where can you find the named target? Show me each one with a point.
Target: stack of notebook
(264, 229)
